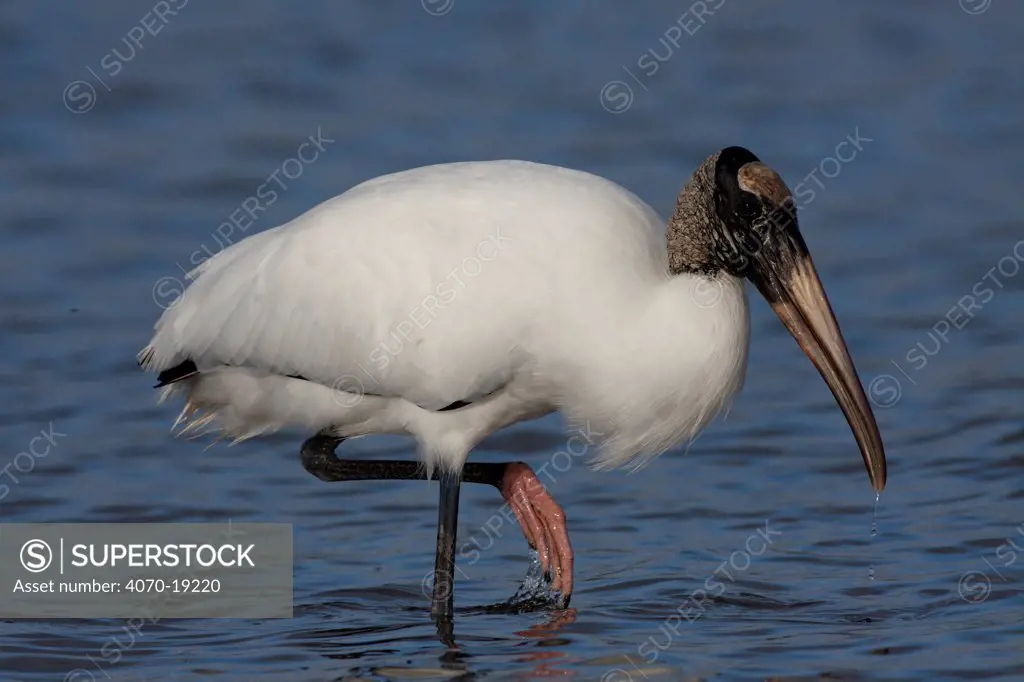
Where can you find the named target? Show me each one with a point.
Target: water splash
(535, 590)
(534, 581)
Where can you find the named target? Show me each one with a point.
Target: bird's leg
(318, 458)
(541, 518)
(442, 600)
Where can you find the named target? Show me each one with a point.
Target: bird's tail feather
(238, 403)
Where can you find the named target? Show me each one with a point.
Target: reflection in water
(551, 649)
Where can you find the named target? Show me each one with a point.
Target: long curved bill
(786, 277)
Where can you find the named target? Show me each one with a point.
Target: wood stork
(450, 301)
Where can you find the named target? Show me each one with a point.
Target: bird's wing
(338, 306)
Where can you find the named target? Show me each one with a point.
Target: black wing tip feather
(177, 373)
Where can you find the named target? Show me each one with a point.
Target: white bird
(450, 301)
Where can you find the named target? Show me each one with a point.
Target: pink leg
(543, 524)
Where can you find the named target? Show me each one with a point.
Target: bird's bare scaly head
(730, 208)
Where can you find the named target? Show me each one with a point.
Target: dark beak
(784, 274)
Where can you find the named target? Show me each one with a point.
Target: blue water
(118, 169)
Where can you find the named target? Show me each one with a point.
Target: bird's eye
(749, 206)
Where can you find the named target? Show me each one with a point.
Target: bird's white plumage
(520, 287)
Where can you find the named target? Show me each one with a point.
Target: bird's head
(736, 215)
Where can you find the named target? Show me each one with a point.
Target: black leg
(319, 459)
(441, 605)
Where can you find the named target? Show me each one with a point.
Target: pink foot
(543, 524)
